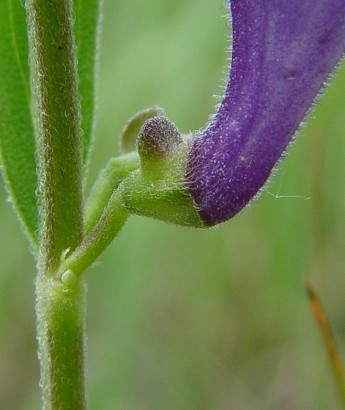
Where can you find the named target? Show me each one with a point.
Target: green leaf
(17, 144)
(17, 141)
(86, 31)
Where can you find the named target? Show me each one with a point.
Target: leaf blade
(86, 32)
(17, 141)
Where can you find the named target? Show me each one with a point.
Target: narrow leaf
(17, 144)
(329, 341)
(86, 30)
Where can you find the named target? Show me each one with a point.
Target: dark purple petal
(283, 52)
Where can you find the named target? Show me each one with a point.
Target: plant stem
(113, 218)
(56, 109)
(109, 179)
(61, 328)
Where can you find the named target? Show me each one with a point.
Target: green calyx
(158, 189)
(149, 184)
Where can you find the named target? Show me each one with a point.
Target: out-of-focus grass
(188, 319)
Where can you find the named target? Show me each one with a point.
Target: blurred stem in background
(316, 210)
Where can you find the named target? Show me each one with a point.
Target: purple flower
(283, 52)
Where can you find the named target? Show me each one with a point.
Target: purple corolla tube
(283, 53)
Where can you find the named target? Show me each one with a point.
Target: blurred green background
(182, 319)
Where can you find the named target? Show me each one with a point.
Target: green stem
(56, 109)
(113, 218)
(57, 123)
(61, 328)
(109, 179)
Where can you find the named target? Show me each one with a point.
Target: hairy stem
(56, 109)
(113, 218)
(109, 179)
(57, 123)
(61, 329)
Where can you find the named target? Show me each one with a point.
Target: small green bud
(158, 140)
(68, 278)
